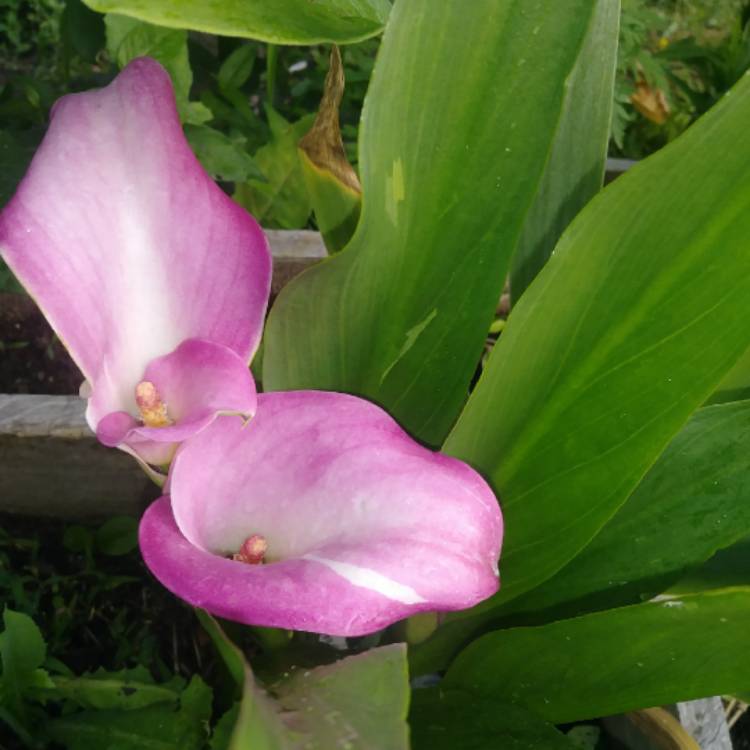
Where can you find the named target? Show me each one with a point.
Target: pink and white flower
(154, 279)
(321, 515)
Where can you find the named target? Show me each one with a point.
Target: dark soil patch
(32, 359)
(741, 733)
(95, 610)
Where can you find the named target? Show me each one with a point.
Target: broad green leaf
(162, 726)
(280, 198)
(463, 107)
(602, 361)
(452, 719)
(22, 652)
(280, 21)
(333, 185)
(128, 38)
(651, 654)
(359, 702)
(694, 501)
(575, 166)
(224, 158)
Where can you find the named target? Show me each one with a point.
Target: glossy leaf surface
(694, 501)
(280, 21)
(676, 649)
(454, 140)
(602, 360)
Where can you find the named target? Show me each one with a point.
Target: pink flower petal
(364, 526)
(126, 243)
(197, 381)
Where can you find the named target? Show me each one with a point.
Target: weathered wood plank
(51, 465)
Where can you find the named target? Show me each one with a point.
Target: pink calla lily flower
(322, 515)
(154, 279)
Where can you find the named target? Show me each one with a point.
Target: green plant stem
(272, 64)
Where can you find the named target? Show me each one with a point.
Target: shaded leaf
(280, 199)
(694, 501)
(281, 22)
(222, 157)
(359, 703)
(82, 30)
(450, 719)
(238, 66)
(117, 536)
(128, 38)
(22, 653)
(162, 726)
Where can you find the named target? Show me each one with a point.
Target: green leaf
(452, 719)
(22, 652)
(222, 157)
(333, 185)
(692, 502)
(728, 567)
(359, 702)
(238, 66)
(230, 654)
(455, 136)
(280, 199)
(128, 38)
(82, 30)
(16, 150)
(736, 384)
(575, 166)
(280, 21)
(126, 689)
(117, 536)
(602, 361)
(652, 654)
(162, 726)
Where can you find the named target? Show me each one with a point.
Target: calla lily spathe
(154, 279)
(356, 524)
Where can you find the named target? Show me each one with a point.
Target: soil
(32, 359)
(741, 733)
